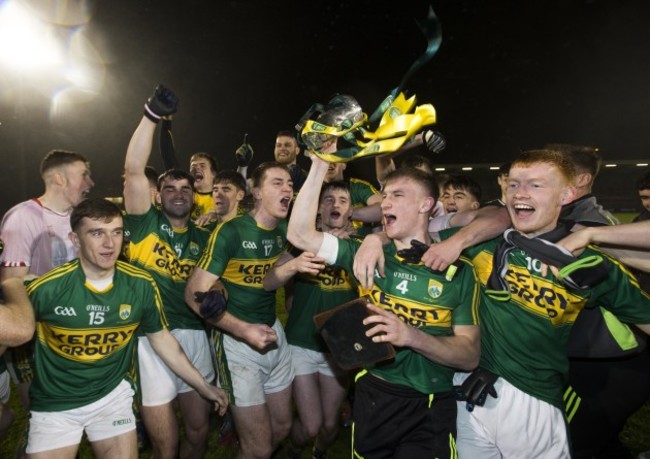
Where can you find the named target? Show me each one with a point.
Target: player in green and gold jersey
(404, 407)
(167, 244)
(320, 384)
(87, 314)
(254, 358)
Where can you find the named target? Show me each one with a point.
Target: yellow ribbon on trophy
(400, 122)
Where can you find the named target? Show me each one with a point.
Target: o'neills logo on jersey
(125, 311)
(434, 289)
(85, 345)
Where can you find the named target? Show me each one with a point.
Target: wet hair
(552, 157)
(208, 157)
(259, 173)
(417, 161)
(466, 183)
(175, 174)
(335, 185)
(232, 177)
(95, 209)
(585, 158)
(426, 181)
(56, 158)
(643, 183)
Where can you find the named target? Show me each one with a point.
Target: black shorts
(393, 421)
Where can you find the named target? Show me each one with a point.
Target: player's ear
(74, 238)
(475, 205)
(568, 195)
(256, 193)
(583, 180)
(427, 205)
(59, 178)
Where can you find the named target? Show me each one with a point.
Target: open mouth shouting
(334, 219)
(389, 220)
(522, 210)
(198, 176)
(284, 203)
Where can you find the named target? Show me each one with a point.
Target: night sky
(509, 75)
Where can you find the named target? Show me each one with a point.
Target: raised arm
(302, 232)
(243, 157)
(137, 199)
(166, 144)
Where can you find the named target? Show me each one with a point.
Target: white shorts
(5, 386)
(108, 417)
(250, 374)
(514, 424)
(159, 384)
(307, 362)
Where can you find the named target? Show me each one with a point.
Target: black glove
(162, 102)
(244, 154)
(213, 303)
(434, 140)
(414, 253)
(476, 388)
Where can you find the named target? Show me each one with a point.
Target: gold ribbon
(400, 122)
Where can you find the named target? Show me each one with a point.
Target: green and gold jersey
(524, 339)
(203, 203)
(86, 339)
(313, 294)
(240, 252)
(360, 192)
(169, 255)
(423, 299)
